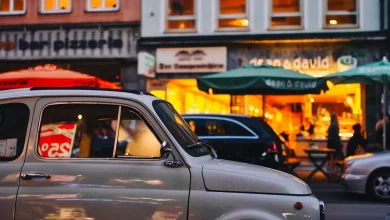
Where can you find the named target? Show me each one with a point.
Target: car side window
(14, 119)
(90, 131)
(135, 138)
(218, 127)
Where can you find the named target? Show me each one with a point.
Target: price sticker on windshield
(56, 140)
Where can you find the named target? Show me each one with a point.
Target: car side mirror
(165, 151)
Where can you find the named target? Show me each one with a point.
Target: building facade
(192, 38)
(96, 37)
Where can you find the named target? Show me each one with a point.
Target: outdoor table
(319, 167)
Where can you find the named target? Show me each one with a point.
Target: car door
(14, 123)
(83, 164)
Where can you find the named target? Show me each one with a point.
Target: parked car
(76, 153)
(240, 138)
(368, 174)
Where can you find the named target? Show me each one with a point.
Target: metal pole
(384, 111)
(263, 97)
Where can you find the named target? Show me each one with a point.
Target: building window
(103, 5)
(286, 14)
(180, 16)
(341, 14)
(12, 7)
(233, 15)
(56, 6)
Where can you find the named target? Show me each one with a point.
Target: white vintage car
(100, 154)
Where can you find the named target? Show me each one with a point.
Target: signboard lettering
(56, 140)
(185, 60)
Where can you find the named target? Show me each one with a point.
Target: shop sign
(146, 64)
(74, 43)
(191, 60)
(56, 140)
(306, 64)
(291, 84)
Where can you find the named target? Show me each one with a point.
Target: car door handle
(29, 176)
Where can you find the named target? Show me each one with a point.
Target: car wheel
(380, 185)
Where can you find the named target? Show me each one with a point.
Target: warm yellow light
(210, 91)
(251, 108)
(182, 25)
(333, 22)
(244, 22)
(80, 117)
(349, 100)
(311, 100)
(266, 115)
(257, 110)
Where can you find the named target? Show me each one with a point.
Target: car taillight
(271, 147)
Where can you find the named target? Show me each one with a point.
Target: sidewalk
(305, 169)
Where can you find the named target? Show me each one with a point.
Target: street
(342, 205)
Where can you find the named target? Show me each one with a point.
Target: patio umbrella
(373, 73)
(50, 76)
(263, 79)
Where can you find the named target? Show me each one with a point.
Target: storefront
(178, 68)
(105, 53)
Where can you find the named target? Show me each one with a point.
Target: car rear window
(266, 128)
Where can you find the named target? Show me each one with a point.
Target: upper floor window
(10, 7)
(286, 14)
(180, 16)
(56, 6)
(103, 5)
(233, 15)
(341, 13)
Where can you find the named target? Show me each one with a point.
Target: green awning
(377, 72)
(263, 79)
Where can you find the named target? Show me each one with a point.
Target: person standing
(334, 141)
(356, 141)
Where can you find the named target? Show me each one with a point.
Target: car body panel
(101, 188)
(10, 170)
(247, 149)
(361, 166)
(229, 176)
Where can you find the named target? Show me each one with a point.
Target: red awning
(50, 76)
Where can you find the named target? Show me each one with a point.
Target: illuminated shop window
(12, 7)
(56, 6)
(103, 5)
(341, 14)
(286, 14)
(233, 15)
(180, 16)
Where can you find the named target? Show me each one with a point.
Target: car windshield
(179, 129)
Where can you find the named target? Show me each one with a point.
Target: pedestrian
(334, 141)
(379, 130)
(357, 144)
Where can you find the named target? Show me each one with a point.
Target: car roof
(218, 115)
(75, 92)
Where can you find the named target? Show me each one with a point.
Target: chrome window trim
(133, 158)
(254, 135)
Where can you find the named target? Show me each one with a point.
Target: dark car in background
(240, 138)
